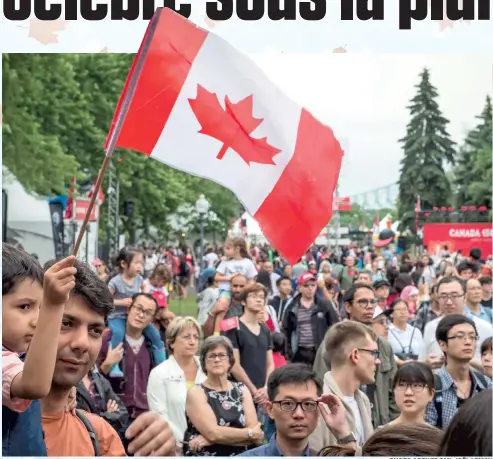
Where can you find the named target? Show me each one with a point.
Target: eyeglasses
(453, 296)
(220, 356)
(415, 386)
(291, 405)
(364, 302)
(463, 337)
(190, 337)
(144, 312)
(374, 352)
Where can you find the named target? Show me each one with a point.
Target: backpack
(438, 398)
(90, 431)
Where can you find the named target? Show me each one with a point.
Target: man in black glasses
(293, 397)
(456, 381)
(352, 351)
(135, 356)
(360, 304)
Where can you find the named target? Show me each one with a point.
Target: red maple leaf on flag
(232, 126)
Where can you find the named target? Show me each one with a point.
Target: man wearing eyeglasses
(135, 356)
(352, 350)
(360, 304)
(295, 404)
(451, 297)
(457, 381)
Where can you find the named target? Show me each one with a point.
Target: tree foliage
(57, 110)
(473, 170)
(427, 149)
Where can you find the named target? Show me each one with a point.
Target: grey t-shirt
(122, 291)
(305, 327)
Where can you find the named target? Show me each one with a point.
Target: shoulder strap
(90, 431)
(437, 400)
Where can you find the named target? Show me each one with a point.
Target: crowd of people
(345, 353)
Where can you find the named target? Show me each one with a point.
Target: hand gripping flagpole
(122, 114)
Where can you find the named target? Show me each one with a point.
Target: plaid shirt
(450, 400)
(424, 315)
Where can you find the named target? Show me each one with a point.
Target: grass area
(186, 307)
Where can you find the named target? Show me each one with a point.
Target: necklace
(467, 387)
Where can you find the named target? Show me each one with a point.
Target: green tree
(34, 86)
(427, 148)
(473, 170)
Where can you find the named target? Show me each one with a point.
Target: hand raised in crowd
(260, 397)
(435, 361)
(112, 406)
(126, 302)
(334, 414)
(151, 436)
(114, 356)
(59, 281)
(220, 307)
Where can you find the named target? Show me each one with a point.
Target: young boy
(32, 311)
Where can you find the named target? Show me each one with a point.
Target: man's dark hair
(349, 295)
(292, 373)
(450, 280)
(148, 296)
(475, 254)
(448, 322)
(90, 287)
(282, 278)
(465, 266)
(18, 265)
(485, 280)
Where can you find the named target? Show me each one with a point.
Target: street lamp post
(202, 207)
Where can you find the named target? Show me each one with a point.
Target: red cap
(160, 298)
(306, 277)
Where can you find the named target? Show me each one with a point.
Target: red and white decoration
(202, 107)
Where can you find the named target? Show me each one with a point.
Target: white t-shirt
(211, 258)
(431, 346)
(150, 262)
(358, 421)
(244, 266)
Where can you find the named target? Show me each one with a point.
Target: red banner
(457, 236)
(81, 208)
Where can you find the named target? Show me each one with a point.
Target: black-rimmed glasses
(374, 352)
(291, 405)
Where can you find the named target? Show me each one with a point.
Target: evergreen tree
(473, 171)
(427, 148)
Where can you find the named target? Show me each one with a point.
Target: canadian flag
(196, 104)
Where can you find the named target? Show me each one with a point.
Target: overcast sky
(364, 97)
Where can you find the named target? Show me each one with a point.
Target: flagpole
(121, 116)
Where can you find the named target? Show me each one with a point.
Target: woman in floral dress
(221, 416)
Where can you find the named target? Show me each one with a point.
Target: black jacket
(117, 419)
(323, 317)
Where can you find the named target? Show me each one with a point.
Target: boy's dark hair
(90, 287)
(18, 265)
(486, 346)
(278, 341)
(292, 373)
(282, 278)
(465, 266)
(449, 322)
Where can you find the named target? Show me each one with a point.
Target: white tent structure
(28, 219)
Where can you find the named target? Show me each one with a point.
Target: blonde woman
(170, 381)
(221, 415)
